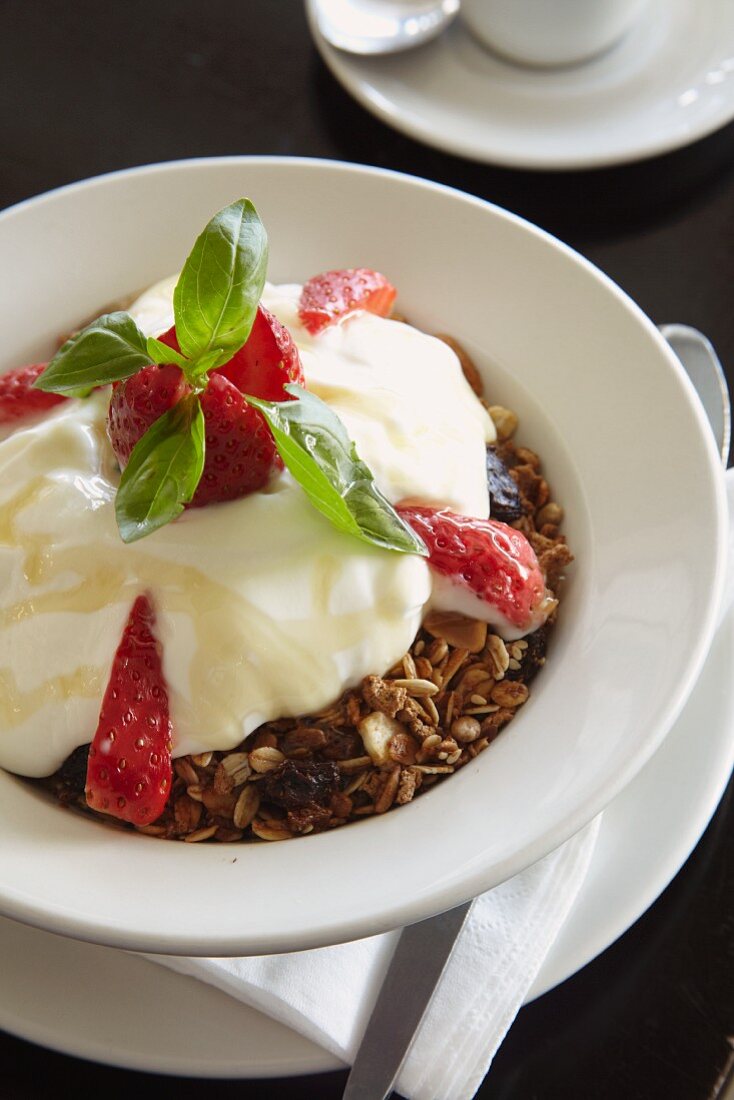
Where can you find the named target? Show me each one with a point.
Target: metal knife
(420, 959)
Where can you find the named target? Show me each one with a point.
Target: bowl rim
(446, 895)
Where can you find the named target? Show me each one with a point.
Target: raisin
(342, 745)
(505, 502)
(73, 772)
(534, 656)
(299, 783)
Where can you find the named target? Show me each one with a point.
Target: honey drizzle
(237, 667)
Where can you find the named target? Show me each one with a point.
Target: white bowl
(626, 448)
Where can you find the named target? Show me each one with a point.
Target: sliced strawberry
(486, 559)
(266, 363)
(240, 451)
(138, 402)
(18, 399)
(129, 766)
(326, 298)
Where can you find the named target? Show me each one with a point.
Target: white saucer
(57, 992)
(667, 83)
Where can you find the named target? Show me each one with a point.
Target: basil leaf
(217, 293)
(108, 350)
(164, 469)
(314, 445)
(161, 353)
(210, 360)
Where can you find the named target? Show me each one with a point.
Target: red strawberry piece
(265, 364)
(138, 402)
(18, 399)
(326, 298)
(129, 766)
(240, 450)
(487, 559)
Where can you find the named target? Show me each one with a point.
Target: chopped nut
(504, 421)
(457, 630)
(465, 729)
(470, 678)
(549, 513)
(402, 748)
(377, 730)
(509, 693)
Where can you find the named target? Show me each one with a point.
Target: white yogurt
(263, 608)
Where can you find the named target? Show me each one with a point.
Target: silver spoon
(702, 366)
(380, 26)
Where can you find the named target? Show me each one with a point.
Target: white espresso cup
(550, 32)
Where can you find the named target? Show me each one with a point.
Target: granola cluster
(393, 737)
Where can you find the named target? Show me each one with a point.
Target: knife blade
(415, 970)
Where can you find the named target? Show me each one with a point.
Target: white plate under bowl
(166, 1022)
(625, 444)
(668, 82)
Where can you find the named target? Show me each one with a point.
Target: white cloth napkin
(328, 994)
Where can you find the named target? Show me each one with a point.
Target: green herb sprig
(214, 306)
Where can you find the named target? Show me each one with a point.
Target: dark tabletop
(88, 87)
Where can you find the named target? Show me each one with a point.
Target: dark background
(88, 87)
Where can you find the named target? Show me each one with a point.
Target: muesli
(202, 565)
